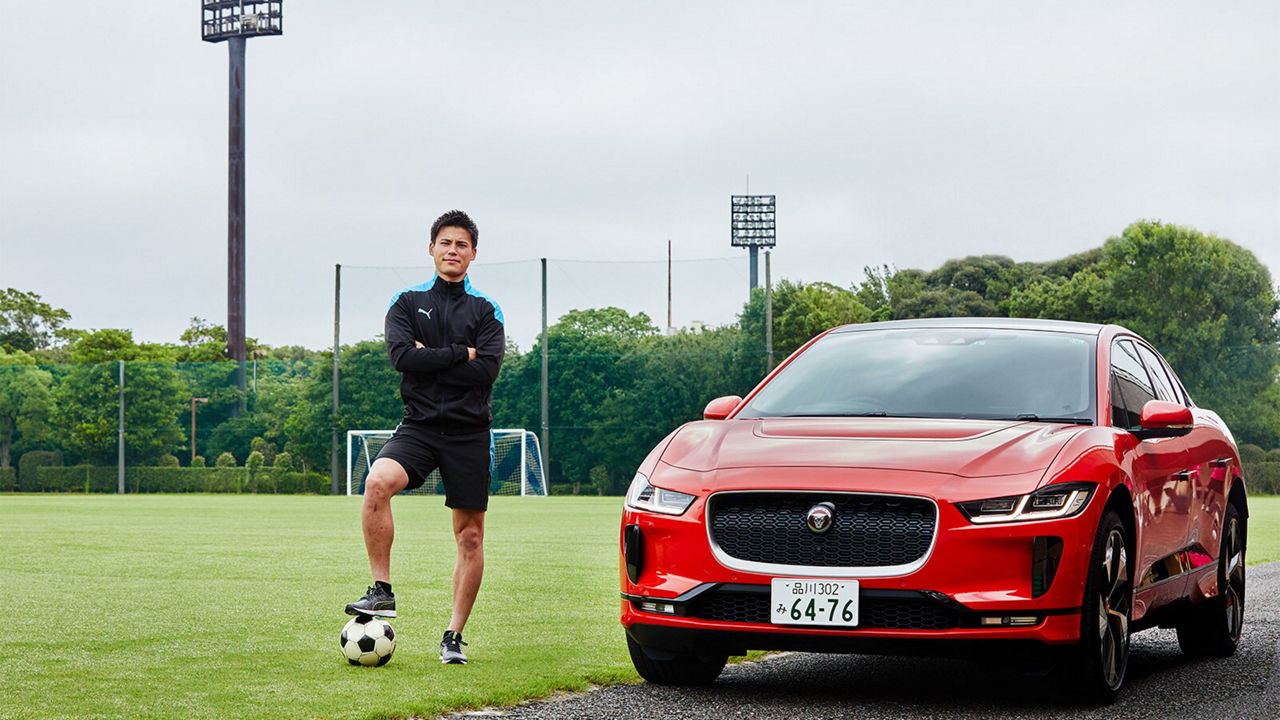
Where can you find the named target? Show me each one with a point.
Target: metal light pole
(236, 21)
(753, 226)
(194, 400)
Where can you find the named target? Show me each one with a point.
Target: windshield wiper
(1032, 417)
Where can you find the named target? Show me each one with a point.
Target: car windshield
(976, 373)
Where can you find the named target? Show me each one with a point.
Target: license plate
(812, 601)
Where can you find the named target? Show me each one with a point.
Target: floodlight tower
(236, 21)
(753, 226)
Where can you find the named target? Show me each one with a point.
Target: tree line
(617, 385)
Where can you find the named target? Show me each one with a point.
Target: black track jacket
(439, 386)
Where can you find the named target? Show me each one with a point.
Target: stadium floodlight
(753, 225)
(235, 21)
(517, 463)
(226, 19)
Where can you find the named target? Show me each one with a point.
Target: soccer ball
(367, 641)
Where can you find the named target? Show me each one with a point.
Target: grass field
(230, 606)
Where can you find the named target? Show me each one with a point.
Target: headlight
(1049, 502)
(643, 496)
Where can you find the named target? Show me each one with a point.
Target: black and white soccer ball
(367, 641)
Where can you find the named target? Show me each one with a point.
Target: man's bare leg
(386, 478)
(468, 531)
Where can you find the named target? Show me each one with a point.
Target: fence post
(545, 400)
(337, 312)
(120, 436)
(768, 312)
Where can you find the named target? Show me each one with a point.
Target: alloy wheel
(1233, 593)
(1113, 609)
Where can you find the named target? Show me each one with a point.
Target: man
(447, 340)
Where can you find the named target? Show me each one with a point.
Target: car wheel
(670, 668)
(1213, 628)
(1103, 654)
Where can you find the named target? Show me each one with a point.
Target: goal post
(516, 466)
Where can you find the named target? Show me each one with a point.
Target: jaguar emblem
(821, 516)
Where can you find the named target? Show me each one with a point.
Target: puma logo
(426, 312)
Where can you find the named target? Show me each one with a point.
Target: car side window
(1164, 386)
(1119, 416)
(1130, 379)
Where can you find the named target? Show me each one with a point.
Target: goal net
(516, 467)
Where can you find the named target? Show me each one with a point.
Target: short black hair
(456, 218)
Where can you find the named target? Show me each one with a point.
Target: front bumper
(973, 581)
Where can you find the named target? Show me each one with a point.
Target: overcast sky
(892, 133)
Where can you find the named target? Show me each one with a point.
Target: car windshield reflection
(958, 373)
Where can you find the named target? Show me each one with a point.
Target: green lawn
(157, 606)
(147, 606)
(1264, 529)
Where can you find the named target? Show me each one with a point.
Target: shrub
(254, 462)
(197, 461)
(79, 478)
(169, 460)
(1273, 455)
(1250, 454)
(225, 460)
(28, 464)
(268, 449)
(1262, 478)
(283, 461)
(87, 478)
(8, 479)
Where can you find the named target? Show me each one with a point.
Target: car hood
(968, 448)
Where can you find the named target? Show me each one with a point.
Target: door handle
(1187, 475)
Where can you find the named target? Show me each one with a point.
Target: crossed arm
(456, 364)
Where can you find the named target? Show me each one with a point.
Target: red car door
(1158, 472)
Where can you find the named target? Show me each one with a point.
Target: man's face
(452, 252)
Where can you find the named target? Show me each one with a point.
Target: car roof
(1063, 326)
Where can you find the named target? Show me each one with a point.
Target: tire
(1102, 658)
(1212, 629)
(669, 668)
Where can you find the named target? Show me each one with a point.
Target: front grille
(868, 530)
(904, 610)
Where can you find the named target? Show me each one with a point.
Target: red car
(926, 485)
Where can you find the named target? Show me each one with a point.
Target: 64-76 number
(827, 610)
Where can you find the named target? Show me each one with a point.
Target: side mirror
(1162, 419)
(720, 408)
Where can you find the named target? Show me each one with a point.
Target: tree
(672, 379)
(27, 323)
(1210, 308)
(369, 397)
(87, 399)
(25, 403)
(800, 312)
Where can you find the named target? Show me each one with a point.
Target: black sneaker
(451, 649)
(375, 602)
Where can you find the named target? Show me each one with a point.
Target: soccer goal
(516, 469)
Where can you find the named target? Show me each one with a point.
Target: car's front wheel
(1212, 629)
(1108, 605)
(662, 667)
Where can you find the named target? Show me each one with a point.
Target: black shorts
(464, 460)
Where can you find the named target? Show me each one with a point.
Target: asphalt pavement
(1162, 683)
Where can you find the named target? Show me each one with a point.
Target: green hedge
(1262, 478)
(32, 461)
(87, 478)
(8, 479)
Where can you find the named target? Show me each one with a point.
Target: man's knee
(470, 539)
(384, 481)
